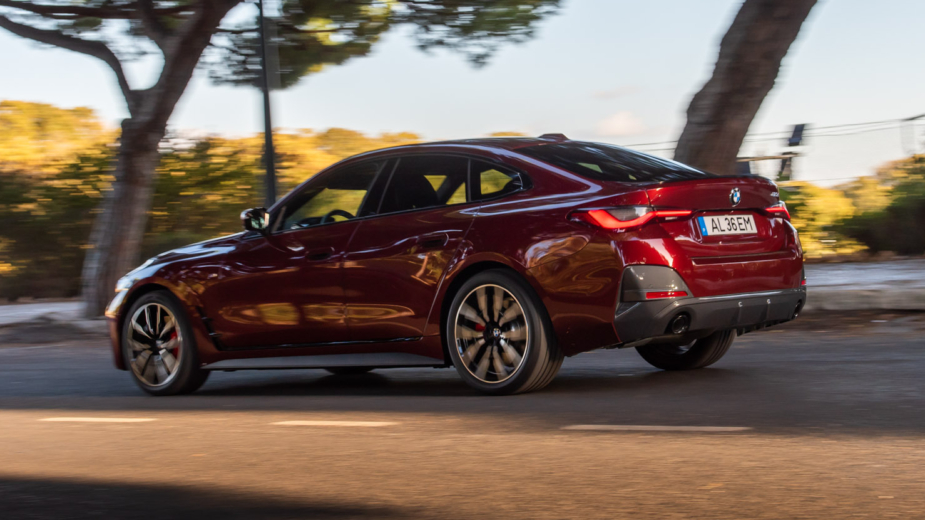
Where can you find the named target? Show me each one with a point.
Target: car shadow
(383, 383)
(60, 498)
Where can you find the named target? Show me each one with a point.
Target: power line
(783, 134)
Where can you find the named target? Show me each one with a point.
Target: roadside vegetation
(56, 164)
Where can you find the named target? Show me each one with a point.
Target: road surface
(805, 421)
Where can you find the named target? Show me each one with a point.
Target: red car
(496, 256)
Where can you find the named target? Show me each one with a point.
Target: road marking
(361, 424)
(99, 419)
(6, 349)
(653, 428)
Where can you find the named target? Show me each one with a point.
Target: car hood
(200, 250)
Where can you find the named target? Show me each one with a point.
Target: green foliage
(815, 211)
(50, 193)
(308, 35)
(47, 222)
(474, 27)
(36, 138)
(896, 225)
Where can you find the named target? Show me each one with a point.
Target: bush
(50, 193)
(900, 225)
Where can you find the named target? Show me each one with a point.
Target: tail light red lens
(625, 217)
(658, 295)
(778, 210)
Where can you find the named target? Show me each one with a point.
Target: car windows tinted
(494, 180)
(336, 198)
(611, 163)
(425, 181)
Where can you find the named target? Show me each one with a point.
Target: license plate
(727, 225)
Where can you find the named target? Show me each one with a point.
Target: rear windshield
(605, 162)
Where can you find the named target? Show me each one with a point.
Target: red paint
(387, 277)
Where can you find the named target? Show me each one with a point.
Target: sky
(615, 71)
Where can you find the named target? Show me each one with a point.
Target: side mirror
(256, 219)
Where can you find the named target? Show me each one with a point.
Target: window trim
(526, 182)
(277, 219)
(389, 164)
(427, 154)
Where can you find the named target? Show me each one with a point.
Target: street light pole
(269, 158)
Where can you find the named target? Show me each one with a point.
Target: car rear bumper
(643, 322)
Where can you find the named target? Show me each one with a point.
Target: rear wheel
(699, 354)
(158, 346)
(499, 337)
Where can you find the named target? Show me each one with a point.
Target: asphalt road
(805, 421)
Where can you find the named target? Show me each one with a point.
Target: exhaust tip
(797, 309)
(680, 324)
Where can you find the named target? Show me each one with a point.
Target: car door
(285, 287)
(396, 261)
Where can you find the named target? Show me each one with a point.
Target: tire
(348, 371)
(155, 367)
(496, 348)
(699, 354)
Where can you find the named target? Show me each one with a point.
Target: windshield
(605, 162)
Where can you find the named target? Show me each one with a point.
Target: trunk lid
(714, 193)
(716, 196)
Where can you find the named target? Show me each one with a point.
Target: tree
(749, 61)
(311, 34)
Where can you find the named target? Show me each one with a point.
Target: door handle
(317, 255)
(432, 241)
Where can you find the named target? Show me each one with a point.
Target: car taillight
(625, 217)
(778, 210)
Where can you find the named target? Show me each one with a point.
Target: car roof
(495, 143)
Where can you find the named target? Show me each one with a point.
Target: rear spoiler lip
(713, 178)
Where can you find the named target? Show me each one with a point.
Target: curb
(831, 299)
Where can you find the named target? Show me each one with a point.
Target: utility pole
(907, 134)
(743, 165)
(269, 157)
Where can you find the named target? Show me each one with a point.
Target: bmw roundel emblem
(735, 197)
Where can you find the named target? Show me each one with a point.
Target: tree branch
(107, 12)
(151, 23)
(91, 48)
(73, 10)
(279, 23)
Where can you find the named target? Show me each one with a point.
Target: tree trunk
(115, 240)
(749, 60)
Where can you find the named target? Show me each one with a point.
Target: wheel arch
(139, 290)
(466, 273)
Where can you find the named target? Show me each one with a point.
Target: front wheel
(499, 337)
(159, 348)
(699, 354)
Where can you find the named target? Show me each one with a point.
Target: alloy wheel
(154, 345)
(491, 333)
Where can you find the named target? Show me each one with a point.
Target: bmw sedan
(498, 257)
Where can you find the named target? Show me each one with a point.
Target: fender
(116, 312)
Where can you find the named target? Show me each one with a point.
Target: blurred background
(838, 131)
(130, 127)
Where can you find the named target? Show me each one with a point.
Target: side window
(426, 181)
(336, 198)
(494, 180)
